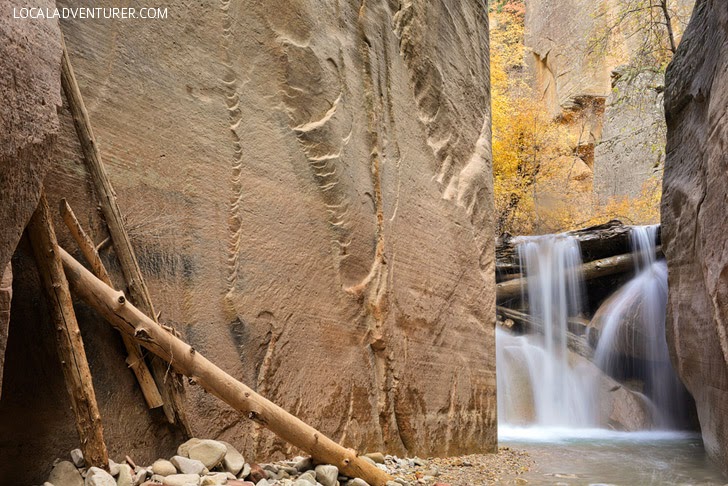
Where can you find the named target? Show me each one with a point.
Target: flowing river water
(551, 402)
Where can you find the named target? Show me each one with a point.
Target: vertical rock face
(576, 45)
(6, 295)
(633, 140)
(30, 78)
(566, 66)
(695, 188)
(308, 187)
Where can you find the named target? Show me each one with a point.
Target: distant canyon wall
(695, 190)
(308, 188)
(578, 58)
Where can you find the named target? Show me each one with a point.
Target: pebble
(125, 476)
(188, 466)
(233, 461)
(208, 452)
(309, 477)
(77, 458)
(377, 457)
(304, 464)
(246, 471)
(182, 480)
(163, 467)
(356, 482)
(184, 448)
(65, 474)
(99, 477)
(327, 474)
(214, 479)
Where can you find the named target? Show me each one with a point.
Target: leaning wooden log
(596, 242)
(575, 334)
(133, 277)
(134, 359)
(68, 336)
(112, 305)
(509, 289)
(6, 295)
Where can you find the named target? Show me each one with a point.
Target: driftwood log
(596, 242)
(594, 269)
(133, 277)
(135, 359)
(575, 334)
(68, 336)
(112, 305)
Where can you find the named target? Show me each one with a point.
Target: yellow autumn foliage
(541, 185)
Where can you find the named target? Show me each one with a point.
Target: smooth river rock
(694, 236)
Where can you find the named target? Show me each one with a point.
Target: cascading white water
(535, 370)
(633, 330)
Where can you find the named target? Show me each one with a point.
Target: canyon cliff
(308, 189)
(695, 189)
(589, 70)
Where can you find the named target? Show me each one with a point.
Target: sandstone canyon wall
(694, 238)
(579, 56)
(308, 188)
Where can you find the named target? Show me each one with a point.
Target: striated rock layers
(695, 188)
(308, 188)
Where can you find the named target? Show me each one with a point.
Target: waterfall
(632, 340)
(542, 383)
(535, 370)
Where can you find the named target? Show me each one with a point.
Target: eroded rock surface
(30, 80)
(632, 148)
(308, 188)
(693, 218)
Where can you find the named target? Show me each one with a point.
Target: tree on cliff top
(643, 34)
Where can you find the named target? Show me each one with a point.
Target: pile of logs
(605, 251)
(138, 324)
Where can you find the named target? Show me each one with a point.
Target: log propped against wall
(169, 387)
(113, 305)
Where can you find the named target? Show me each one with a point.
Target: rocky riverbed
(203, 462)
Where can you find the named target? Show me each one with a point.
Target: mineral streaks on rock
(308, 189)
(30, 93)
(390, 119)
(695, 187)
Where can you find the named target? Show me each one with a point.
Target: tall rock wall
(632, 148)
(30, 80)
(695, 190)
(308, 188)
(581, 51)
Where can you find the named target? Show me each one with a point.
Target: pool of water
(578, 457)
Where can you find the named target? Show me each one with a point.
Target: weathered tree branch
(122, 244)
(509, 289)
(68, 336)
(135, 359)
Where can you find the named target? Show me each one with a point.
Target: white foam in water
(536, 434)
